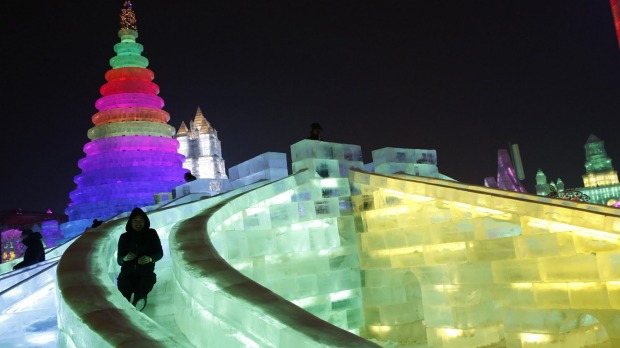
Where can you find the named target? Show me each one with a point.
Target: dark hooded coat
(35, 252)
(142, 243)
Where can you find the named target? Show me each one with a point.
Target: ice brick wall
(268, 166)
(447, 264)
(325, 158)
(298, 250)
(391, 160)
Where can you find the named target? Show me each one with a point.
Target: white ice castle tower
(201, 148)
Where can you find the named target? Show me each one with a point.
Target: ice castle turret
(202, 148)
(599, 171)
(132, 154)
(543, 188)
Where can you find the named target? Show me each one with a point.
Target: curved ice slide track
(199, 298)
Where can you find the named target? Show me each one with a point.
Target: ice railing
(455, 265)
(93, 313)
(266, 236)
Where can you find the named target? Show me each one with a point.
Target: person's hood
(31, 238)
(136, 212)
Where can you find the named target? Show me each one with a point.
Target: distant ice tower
(202, 148)
(599, 171)
(132, 154)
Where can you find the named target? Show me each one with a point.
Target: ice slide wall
(290, 236)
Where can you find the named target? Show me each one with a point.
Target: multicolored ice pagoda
(132, 154)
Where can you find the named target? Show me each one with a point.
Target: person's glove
(145, 259)
(129, 257)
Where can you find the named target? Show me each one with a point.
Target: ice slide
(201, 300)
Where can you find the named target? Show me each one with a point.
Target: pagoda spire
(199, 113)
(128, 17)
(200, 122)
(182, 130)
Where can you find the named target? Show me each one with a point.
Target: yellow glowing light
(398, 210)
(490, 211)
(600, 235)
(553, 227)
(535, 338)
(583, 286)
(417, 198)
(460, 205)
(453, 332)
(380, 328)
(413, 249)
(396, 251)
(552, 286)
(521, 285)
(458, 246)
(496, 214)
(560, 227)
(538, 223)
(445, 288)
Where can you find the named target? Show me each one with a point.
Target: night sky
(463, 77)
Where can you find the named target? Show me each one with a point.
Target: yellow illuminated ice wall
(452, 265)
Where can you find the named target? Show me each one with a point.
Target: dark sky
(462, 77)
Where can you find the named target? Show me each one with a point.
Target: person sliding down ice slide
(138, 250)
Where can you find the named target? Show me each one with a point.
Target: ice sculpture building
(132, 154)
(202, 148)
(600, 182)
(508, 177)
